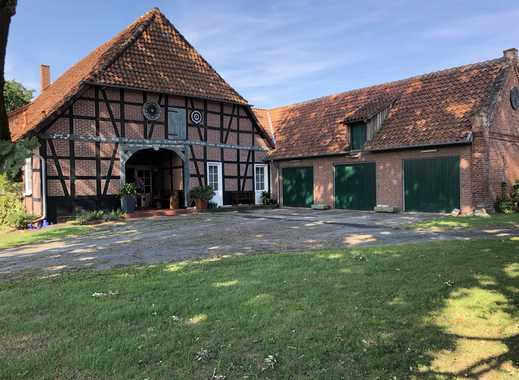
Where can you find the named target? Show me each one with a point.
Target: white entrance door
(261, 181)
(214, 179)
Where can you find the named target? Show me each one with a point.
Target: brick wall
(504, 142)
(88, 156)
(389, 174)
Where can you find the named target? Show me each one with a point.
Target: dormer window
(358, 135)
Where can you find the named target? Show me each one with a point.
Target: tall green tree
(12, 155)
(16, 95)
(7, 11)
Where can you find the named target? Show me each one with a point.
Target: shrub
(113, 215)
(514, 195)
(204, 193)
(89, 217)
(508, 201)
(506, 206)
(266, 199)
(20, 219)
(128, 189)
(12, 212)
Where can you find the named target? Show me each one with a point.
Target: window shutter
(358, 136)
(177, 124)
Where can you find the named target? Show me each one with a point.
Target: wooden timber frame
(116, 130)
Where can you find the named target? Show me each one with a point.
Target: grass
(437, 310)
(469, 222)
(13, 238)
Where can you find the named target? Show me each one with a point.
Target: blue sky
(278, 52)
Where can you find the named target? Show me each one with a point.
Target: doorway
(158, 177)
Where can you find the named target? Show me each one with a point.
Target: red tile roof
(150, 54)
(430, 109)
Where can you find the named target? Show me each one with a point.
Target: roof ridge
(160, 14)
(391, 83)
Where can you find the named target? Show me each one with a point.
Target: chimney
(510, 54)
(44, 76)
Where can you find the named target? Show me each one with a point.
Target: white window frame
(27, 177)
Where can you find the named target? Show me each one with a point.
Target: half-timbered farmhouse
(146, 105)
(143, 105)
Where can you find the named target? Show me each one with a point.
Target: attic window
(358, 136)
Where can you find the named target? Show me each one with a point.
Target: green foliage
(89, 217)
(204, 193)
(12, 212)
(508, 201)
(19, 219)
(505, 206)
(113, 215)
(13, 155)
(514, 195)
(16, 95)
(266, 199)
(128, 189)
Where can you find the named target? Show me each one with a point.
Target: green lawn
(13, 238)
(467, 222)
(437, 310)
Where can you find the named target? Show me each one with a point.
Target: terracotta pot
(201, 204)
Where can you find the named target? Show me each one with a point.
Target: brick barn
(145, 104)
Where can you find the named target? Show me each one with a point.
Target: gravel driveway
(215, 234)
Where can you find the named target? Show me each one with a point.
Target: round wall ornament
(151, 111)
(196, 117)
(514, 98)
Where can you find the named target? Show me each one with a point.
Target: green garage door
(432, 185)
(298, 187)
(355, 186)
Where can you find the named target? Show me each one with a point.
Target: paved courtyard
(216, 234)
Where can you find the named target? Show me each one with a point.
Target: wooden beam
(145, 142)
(110, 112)
(110, 169)
(58, 168)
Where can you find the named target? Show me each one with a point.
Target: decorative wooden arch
(127, 151)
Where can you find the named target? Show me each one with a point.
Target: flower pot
(128, 203)
(201, 204)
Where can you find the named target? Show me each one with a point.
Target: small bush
(113, 215)
(508, 201)
(505, 206)
(12, 212)
(89, 217)
(19, 219)
(205, 193)
(267, 200)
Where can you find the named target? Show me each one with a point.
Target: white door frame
(218, 197)
(265, 182)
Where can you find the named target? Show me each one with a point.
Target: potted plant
(201, 195)
(127, 194)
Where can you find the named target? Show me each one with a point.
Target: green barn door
(355, 186)
(432, 185)
(298, 187)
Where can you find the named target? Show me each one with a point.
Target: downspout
(43, 174)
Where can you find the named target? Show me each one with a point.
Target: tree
(16, 95)
(12, 155)
(7, 10)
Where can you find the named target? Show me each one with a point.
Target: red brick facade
(79, 169)
(389, 174)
